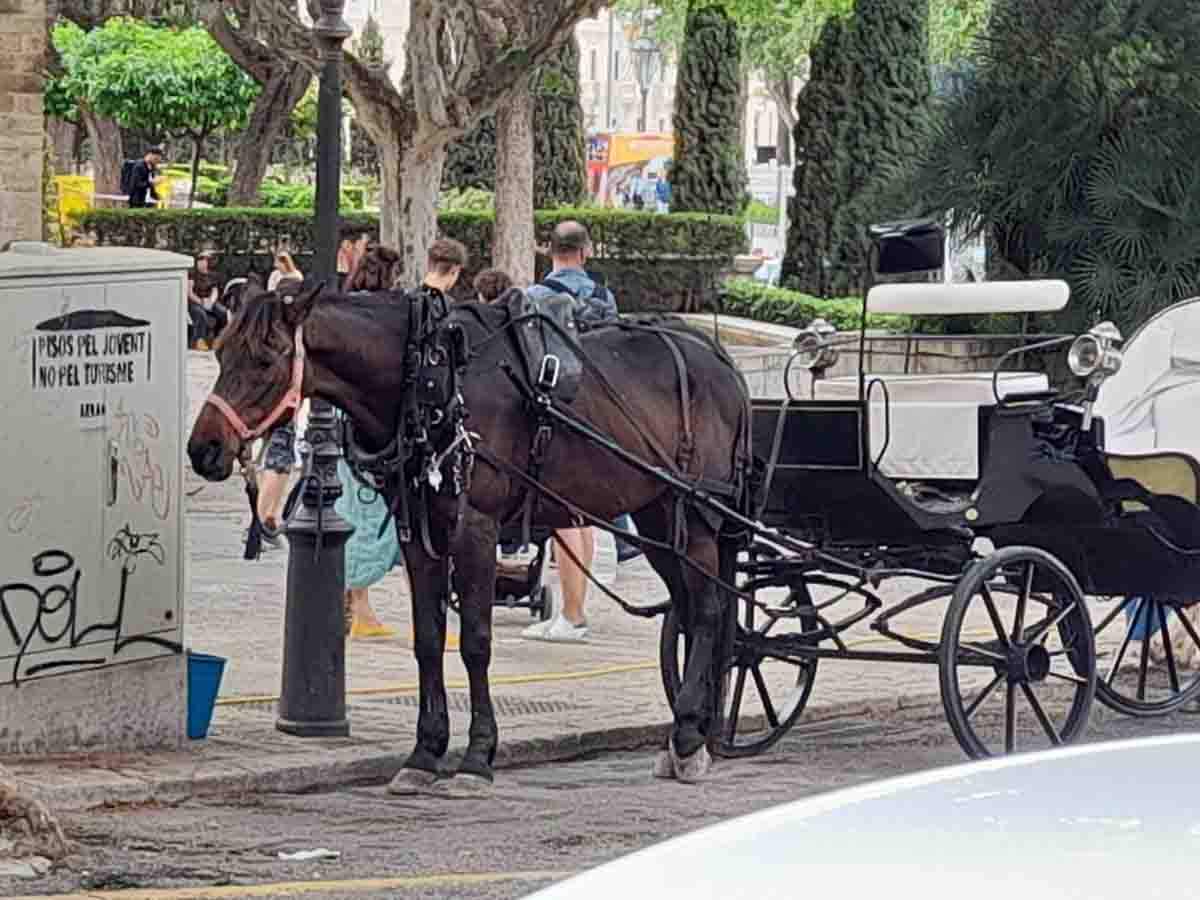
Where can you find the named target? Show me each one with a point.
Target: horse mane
(254, 322)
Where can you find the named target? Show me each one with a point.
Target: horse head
(260, 383)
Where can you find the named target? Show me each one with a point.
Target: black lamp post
(646, 58)
(312, 702)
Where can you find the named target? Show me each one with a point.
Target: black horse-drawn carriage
(776, 524)
(1053, 525)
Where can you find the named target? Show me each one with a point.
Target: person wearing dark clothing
(595, 305)
(491, 284)
(145, 178)
(208, 317)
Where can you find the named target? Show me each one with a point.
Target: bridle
(291, 400)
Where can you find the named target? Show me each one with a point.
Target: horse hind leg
(670, 571)
(700, 609)
(428, 585)
(695, 718)
(654, 522)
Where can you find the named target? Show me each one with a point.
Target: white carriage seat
(934, 419)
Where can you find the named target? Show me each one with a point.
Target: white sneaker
(557, 631)
(523, 557)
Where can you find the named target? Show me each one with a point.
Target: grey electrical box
(92, 548)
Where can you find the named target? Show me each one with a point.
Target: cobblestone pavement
(557, 818)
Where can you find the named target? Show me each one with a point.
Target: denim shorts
(281, 449)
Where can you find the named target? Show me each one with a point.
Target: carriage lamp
(814, 349)
(1095, 355)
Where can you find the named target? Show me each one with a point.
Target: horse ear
(298, 306)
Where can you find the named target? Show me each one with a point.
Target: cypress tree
(471, 160)
(560, 153)
(861, 119)
(559, 141)
(822, 109)
(708, 173)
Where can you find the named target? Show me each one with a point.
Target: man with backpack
(139, 179)
(570, 248)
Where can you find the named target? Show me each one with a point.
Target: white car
(1115, 821)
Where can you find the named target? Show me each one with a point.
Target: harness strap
(290, 400)
(537, 459)
(687, 447)
(687, 442)
(638, 540)
(643, 612)
(612, 394)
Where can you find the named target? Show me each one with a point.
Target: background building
(606, 107)
(392, 16)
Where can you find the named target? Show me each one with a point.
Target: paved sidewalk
(553, 701)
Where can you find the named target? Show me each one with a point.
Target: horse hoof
(663, 765)
(409, 782)
(465, 786)
(692, 769)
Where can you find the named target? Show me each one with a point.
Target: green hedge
(650, 261)
(753, 300)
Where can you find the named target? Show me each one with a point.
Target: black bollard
(312, 702)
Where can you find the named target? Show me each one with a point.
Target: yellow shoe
(360, 631)
(202, 345)
(451, 640)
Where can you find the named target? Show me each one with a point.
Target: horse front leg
(475, 582)
(427, 579)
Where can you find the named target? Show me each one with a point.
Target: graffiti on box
(137, 436)
(41, 611)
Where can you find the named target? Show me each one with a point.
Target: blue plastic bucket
(1142, 618)
(204, 683)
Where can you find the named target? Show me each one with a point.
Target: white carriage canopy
(1152, 402)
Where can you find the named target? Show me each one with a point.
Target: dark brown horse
(353, 356)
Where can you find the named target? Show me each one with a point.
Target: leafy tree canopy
(161, 80)
(164, 81)
(1073, 148)
(778, 34)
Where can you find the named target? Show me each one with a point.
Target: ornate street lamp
(646, 59)
(312, 702)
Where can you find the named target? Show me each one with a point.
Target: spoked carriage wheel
(1017, 662)
(763, 696)
(1149, 657)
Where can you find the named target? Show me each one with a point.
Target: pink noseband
(291, 400)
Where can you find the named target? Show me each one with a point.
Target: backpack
(127, 168)
(587, 301)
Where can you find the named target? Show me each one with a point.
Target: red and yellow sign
(615, 161)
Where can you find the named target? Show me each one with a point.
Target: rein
(289, 402)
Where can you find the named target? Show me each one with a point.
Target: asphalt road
(540, 821)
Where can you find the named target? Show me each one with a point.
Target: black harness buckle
(547, 379)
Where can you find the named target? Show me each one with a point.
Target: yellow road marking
(301, 888)
(411, 687)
